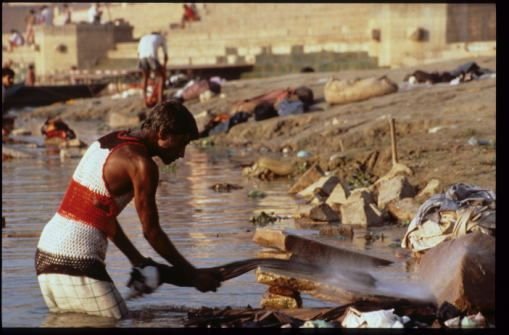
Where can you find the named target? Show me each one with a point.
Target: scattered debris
(264, 219)
(310, 176)
(460, 210)
(225, 187)
(256, 194)
(267, 168)
(338, 230)
(474, 141)
(303, 154)
(375, 319)
(280, 297)
(317, 324)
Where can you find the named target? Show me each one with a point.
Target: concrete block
(325, 183)
(431, 188)
(339, 194)
(360, 209)
(394, 189)
(403, 210)
(324, 213)
(310, 176)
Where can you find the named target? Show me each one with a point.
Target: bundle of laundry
(462, 209)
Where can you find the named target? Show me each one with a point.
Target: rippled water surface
(208, 228)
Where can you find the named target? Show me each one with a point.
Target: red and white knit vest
(86, 215)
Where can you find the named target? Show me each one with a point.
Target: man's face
(7, 80)
(172, 147)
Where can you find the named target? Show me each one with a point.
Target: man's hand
(207, 280)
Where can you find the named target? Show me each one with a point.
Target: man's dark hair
(172, 117)
(7, 71)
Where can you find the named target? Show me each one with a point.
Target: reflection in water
(71, 320)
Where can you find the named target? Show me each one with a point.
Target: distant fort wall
(277, 38)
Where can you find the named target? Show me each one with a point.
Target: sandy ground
(433, 123)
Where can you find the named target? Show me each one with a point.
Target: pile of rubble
(451, 236)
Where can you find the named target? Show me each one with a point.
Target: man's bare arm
(145, 177)
(126, 246)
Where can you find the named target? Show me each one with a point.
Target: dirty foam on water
(207, 227)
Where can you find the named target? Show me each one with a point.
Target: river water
(208, 228)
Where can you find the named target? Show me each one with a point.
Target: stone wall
(471, 23)
(281, 37)
(269, 64)
(410, 31)
(58, 48)
(13, 17)
(412, 34)
(94, 41)
(61, 47)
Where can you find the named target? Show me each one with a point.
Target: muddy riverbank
(444, 132)
(434, 124)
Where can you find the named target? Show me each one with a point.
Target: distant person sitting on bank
(15, 40)
(148, 61)
(190, 14)
(30, 77)
(30, 22)
(67, 12)
(94, 14)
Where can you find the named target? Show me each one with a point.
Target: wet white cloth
(64, 293)
(143, 280)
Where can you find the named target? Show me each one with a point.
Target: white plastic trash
(384, 318)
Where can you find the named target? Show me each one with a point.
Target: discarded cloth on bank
(462, 209)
